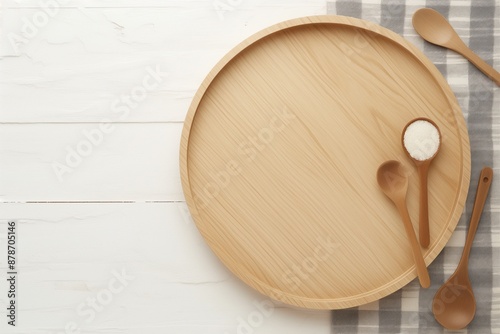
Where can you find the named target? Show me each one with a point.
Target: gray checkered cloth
(409, 309)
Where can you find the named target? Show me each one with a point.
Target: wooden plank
(98, 89)
(159, 3)
(169, 280)
(76, 65)
(90, 162)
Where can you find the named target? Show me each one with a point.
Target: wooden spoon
(454, 305)
(423, 171)
(434, 28)
(394, 183)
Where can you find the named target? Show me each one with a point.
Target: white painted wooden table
(93, 97)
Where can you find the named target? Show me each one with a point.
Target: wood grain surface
(279, 154)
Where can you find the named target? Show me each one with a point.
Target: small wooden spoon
(454, 304)
(423, 171)
(434, 28)
(394, 183)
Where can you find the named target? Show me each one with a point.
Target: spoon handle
(480, 64)
(481, 194)
(423, 274)
(423, 217)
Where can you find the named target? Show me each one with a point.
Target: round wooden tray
(280, 150)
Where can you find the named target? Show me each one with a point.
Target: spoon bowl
(434, 28)
(392, 179)
(456, 306)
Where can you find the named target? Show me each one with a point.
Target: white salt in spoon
(421, 140)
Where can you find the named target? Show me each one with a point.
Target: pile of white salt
(421, 140)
